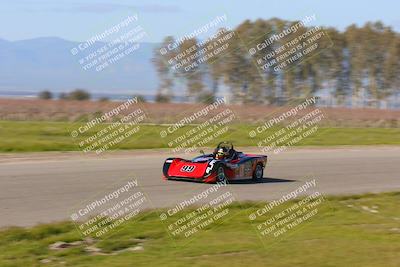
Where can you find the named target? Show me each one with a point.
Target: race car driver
(221, 153)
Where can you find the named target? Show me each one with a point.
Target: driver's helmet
(221, 153)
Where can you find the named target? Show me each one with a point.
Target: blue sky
(79, 20)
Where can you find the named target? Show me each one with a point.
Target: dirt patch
(89, 245)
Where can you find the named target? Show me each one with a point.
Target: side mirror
(202, 152)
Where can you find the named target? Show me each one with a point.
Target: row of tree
(77, 94)
(363, 58)
(81, 95)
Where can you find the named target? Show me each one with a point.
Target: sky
(79, 20)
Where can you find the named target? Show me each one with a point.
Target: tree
(45, 95)
(214, 65)
(391, 68)
(162, 58)
(79, 94)
(333, 65)
(190, 70)
(359, 60)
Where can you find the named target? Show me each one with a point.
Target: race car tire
(258, 173)
(221, 176)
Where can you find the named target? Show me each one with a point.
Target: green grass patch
(22, 136)
(343, 233)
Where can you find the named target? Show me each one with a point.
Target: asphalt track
(46, 187)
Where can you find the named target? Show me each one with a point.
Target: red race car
(224, 164)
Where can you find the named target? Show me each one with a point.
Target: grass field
(347, 231)
(21, 136)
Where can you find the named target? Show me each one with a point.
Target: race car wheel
(258, 173)
(221, 177)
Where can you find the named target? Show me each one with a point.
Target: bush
(206, 98)
(45, 95)
(140, 98)
(160, 98)
(79, 94)
(104, 99)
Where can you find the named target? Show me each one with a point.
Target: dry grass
(61, 110)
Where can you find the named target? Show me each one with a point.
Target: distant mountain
(47, 63)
